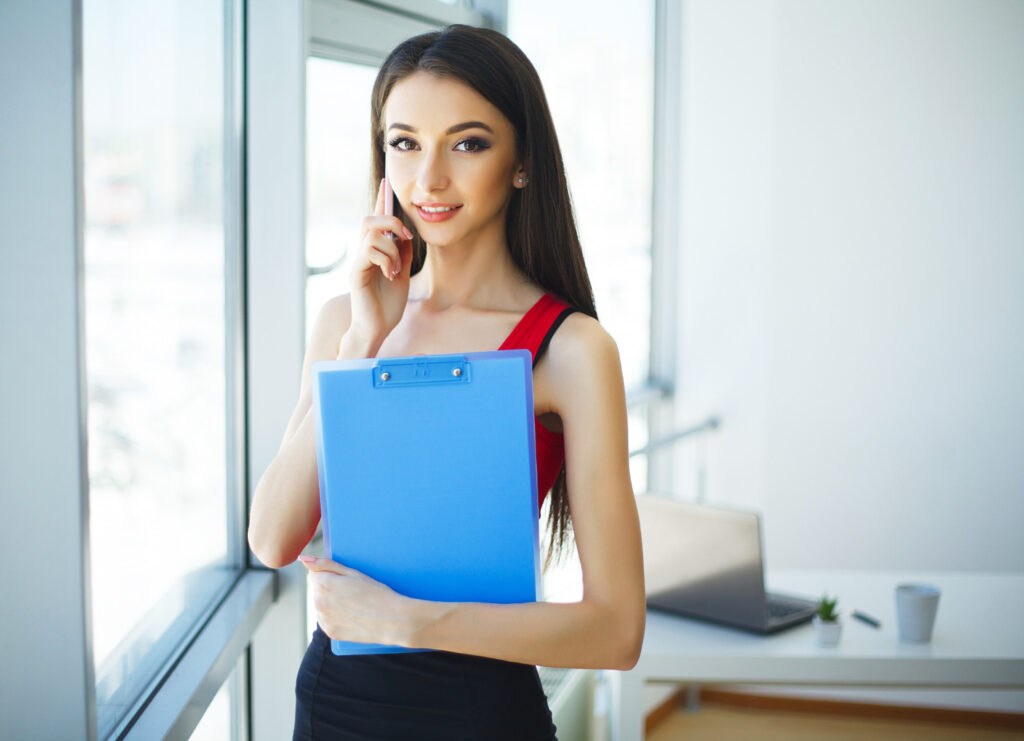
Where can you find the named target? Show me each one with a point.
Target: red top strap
(533, 332)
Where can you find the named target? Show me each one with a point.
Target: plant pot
(828, 631)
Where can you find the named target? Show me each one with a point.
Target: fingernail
(406, 232)
(307, 559)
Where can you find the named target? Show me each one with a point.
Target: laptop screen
(702, 561)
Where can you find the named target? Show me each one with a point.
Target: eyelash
(478, 144)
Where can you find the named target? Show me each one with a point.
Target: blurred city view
(154, 254)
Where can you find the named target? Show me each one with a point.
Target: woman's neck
(473, 274)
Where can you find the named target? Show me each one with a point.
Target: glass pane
(337, 170)
(155, 348)
(599, 79)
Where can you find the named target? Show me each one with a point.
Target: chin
(440, 237)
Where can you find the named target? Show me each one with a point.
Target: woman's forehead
(430, 103)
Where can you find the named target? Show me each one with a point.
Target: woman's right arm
(286, 503)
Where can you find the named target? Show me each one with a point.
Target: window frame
(47, 398)
(43, 535)
(658, 394)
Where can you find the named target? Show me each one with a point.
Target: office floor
(726, 723)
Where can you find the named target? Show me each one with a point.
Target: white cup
(916, 605)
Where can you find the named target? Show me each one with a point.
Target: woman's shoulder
(580, 374)
(580, 342)
(337, 309)
(331, 323)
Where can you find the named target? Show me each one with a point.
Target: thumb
(324, 564)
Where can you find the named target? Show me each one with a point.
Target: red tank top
(533, 333)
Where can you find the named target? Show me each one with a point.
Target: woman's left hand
(351, 606)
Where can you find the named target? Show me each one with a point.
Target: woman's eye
(402, 144)
(472, 144)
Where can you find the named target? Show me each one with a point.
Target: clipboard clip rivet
(457, 372)
(385, 376)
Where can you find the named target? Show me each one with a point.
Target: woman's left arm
(605, 628)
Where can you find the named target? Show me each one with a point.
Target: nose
(433, 173)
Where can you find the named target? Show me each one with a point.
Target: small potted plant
(826, 622)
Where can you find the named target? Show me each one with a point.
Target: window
(599, 80)
(160, 286)
(337, 173)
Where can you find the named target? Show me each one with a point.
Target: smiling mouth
(436, 212)
(437, 209)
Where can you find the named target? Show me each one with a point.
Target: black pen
(874, 623)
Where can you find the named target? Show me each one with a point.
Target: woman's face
(450, 157)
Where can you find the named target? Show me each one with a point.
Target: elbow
(629, 655)
(272, 560)
(273, 544)
(266, 552)
(622, 627)
(631, 641)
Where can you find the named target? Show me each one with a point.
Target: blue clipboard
(428, 476)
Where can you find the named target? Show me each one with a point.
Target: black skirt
(419, 696)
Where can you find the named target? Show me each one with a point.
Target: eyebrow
(450, 130)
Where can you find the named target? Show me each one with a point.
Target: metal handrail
(654, 389)
(711, 423)
(312, 270)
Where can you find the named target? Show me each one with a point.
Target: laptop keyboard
(779, 607)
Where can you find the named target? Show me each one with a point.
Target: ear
(519, 178)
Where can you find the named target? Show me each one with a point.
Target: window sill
(177, 705)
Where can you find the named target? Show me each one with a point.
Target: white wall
(852, 280)
(852, 275)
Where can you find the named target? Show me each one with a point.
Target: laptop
(706, 562)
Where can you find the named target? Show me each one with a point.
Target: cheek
(490, 183)
(484, 181)
(402, 175)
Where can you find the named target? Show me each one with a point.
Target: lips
(434, 212)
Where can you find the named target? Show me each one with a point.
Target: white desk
(978, 642)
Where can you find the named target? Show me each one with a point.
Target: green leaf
(827, 608)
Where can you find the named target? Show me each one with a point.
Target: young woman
(481, 254)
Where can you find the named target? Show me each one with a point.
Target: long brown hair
(541, 228)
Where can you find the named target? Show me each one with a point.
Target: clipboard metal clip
(425, 370)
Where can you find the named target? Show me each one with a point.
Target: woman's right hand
(380, 274)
